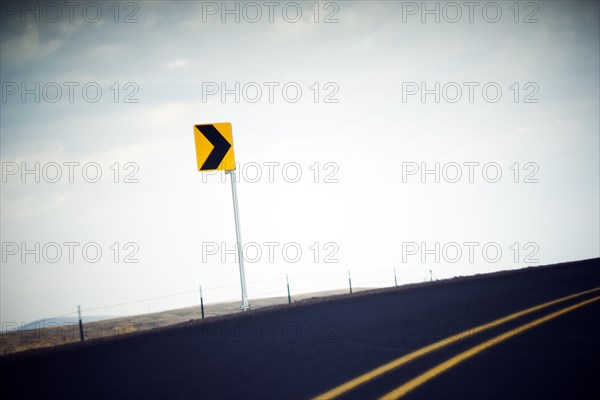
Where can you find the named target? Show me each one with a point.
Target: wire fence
(299, 285)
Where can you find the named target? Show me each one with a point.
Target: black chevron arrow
(221, 146)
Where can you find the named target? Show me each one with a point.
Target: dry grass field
(12, 342)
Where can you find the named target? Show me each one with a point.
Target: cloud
(27, 46)
(178, 64)
(29, 206)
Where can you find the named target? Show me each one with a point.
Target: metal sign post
(245, 305)
(214, 151)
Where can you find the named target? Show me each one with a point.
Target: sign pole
(245, 305)
(214, 151)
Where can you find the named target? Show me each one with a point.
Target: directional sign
(214, 151)
(214, 147)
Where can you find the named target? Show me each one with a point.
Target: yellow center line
(351, 384)
(446, 365)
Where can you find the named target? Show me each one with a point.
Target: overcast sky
(357, 97)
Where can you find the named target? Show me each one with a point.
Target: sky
(432, 139)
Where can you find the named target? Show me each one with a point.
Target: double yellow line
(432, 373)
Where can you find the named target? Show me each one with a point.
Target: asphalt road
(305, 350)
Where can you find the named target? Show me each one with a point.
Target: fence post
(201, 302)
(287, 281)
(80, 323)
(350, 281)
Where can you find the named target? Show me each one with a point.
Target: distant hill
(51, 332)
(53, 322)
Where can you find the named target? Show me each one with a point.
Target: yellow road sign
(214, 147)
